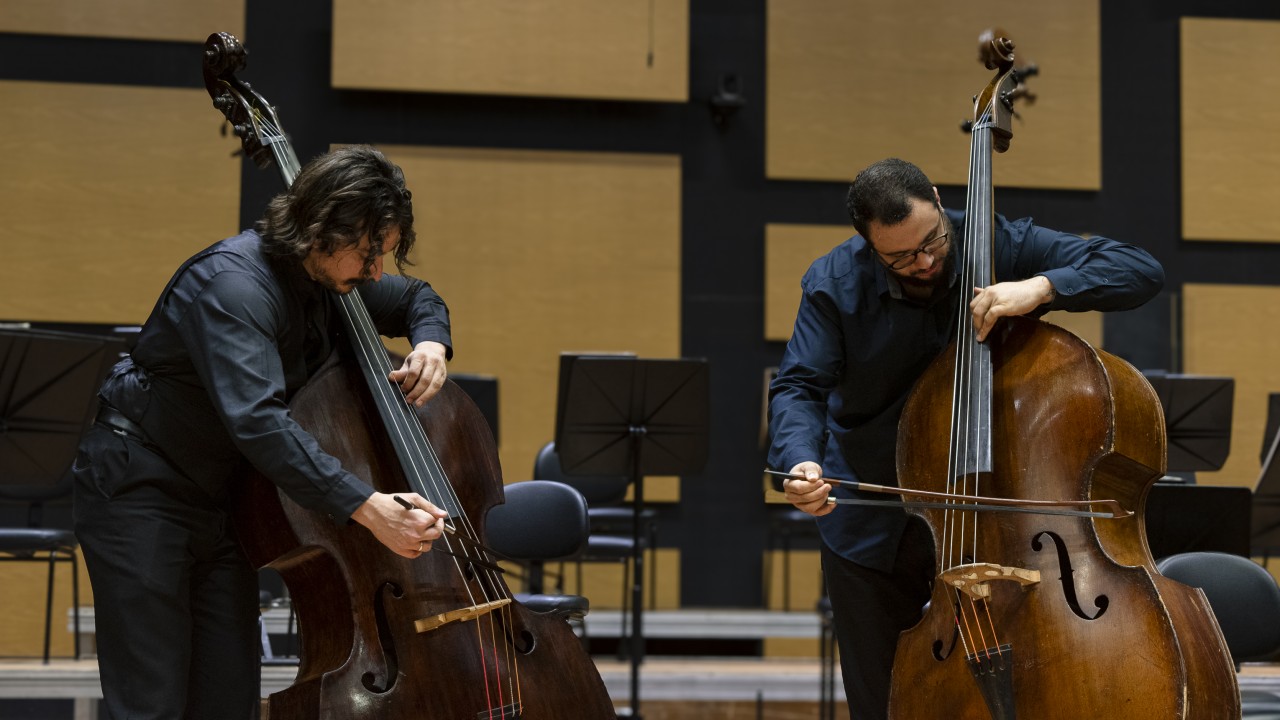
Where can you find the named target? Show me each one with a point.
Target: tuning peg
(966, 126)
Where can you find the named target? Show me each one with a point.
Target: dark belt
(116, 421)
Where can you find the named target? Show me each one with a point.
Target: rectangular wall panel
(1234, 331)
(107, 189)
(854, 81)
(626, 50)
(1230, 112)
(539, 253)
(789, 250)
(132, 19)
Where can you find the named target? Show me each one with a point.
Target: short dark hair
(335, 200)
(882, 192)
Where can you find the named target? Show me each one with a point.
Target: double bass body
(357, 604)
(1102, 634)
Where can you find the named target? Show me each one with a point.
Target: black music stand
(48, 382)
(1272, 428)
(1197, 419)
(1266, 494)
(622, 415)
(483, 391)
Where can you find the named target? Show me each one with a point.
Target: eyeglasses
(928, 247)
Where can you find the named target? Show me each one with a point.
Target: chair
(1246, 600)
(46, 545)
(603, 495)
(541, 521)
(610, 522)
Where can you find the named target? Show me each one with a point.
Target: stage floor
(671, 688)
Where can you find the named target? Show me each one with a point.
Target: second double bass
(1034, 616)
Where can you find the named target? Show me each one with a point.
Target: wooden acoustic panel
(789, 250)
(854, 81)
(564, 48)
(539, 253)
(131, 19)
(1234, 331)
(107, 189)
(1230, 112)
(1086, 325)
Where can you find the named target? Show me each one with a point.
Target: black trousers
(870, 608)
(175, 600)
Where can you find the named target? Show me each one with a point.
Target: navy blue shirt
(859, 345)
(231, 339)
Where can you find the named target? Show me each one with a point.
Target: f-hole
(1068, 582)
(385, 641)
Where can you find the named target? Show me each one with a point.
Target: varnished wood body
(1073, 423)
(343, 581)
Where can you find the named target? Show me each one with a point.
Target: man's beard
(948, 267)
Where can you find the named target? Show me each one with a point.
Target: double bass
(1042, 616)
(438, 637)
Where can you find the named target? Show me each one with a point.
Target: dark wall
(726, 199)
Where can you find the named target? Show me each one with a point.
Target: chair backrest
(1244, 597)
(599, 490)
(540, 521)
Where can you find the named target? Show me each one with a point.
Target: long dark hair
(335, 200)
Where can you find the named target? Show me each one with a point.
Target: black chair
(1246, 600)
(540, 522)
(45, 545)
(610, 539)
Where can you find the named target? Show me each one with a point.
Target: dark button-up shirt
(859, 345)
(234, 335)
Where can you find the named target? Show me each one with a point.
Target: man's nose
(375, 273)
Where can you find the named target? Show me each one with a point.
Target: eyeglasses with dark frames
(928, 247)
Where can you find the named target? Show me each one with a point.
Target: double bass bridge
(974, 579)
(428, 624)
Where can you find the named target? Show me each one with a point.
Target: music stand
(1266, 494)
(622, 415)
(1197, 419)
(483, 391)
(1272, 428)
(48, 383)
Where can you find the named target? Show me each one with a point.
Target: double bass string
(970, 436)
(410, 435)
(404, 428)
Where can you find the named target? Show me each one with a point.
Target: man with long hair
(205, 394)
